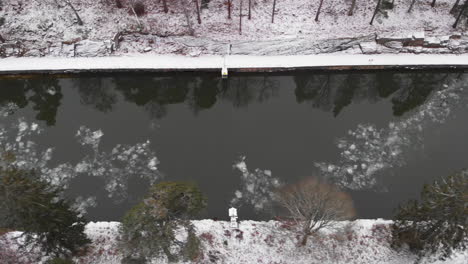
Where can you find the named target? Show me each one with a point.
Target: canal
(379, 135)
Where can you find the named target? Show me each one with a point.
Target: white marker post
(224, 70)
(233, 215)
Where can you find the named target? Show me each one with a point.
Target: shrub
(139, 8)
(438, 222)
(148, 230)
(34, 207)
(313, 205)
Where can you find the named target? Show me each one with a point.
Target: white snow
(168, 62)
(360, 242)
(48, 29)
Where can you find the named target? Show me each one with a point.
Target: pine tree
(438, 222)
(36, 208)
(148, 230)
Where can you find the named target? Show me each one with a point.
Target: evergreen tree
(34, 207)
(148, 230)
(438, 222)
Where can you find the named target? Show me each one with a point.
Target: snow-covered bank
(49, 28)
(233, 63)
(360, 241)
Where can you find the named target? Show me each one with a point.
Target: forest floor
(49, 28)
(355, 242)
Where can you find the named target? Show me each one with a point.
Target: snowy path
(233, 62)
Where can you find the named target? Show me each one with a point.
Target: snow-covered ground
(237, 62)
(43, 28)
(360, 241)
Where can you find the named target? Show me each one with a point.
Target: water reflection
(44, 94)
(200, 124)
(332, 92)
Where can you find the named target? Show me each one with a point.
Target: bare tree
(454, 6)
(318, 10)
(351, 9)
(185, 4)
(229, 6)
(375, 11)
(460, 14)
(240, 17)
(411, 6)
(68, 3)
(273, 12)
(166, 9)
(314, 204)
(250, 7)
(198, 11)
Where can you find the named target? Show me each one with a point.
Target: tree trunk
(411, 6)
(351, 9)
(240, 17)
(305, 238)
(198, 11)
(454, 6)
(461, 13)
(318, 11)
(433, 3)
(375, 12)
(229, 4)
(165, 6)
(187, 18)
(2, 39)
(80, 22)
(250, 7)
(273, 12)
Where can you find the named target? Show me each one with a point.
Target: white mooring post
(224, 70)
(233, 215)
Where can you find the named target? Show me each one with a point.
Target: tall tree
(165, 6)
(351, 9)
(318, 11)
(433, 3)
(36, 208)
(375, 11)
(438, 221)
(250, 7)
(149, 229)
(411, 6)
(273, 12)
(229, 6)
(240, 17)
(454, 6)
(460, 14)
(78, 18)
(198, 11)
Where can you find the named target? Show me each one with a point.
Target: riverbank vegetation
(160, 228)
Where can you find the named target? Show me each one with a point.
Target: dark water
(199, 126)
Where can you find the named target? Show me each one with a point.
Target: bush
(34, 207)
(139, 8)
(148, 229)
(438, 222)
(313, 205)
